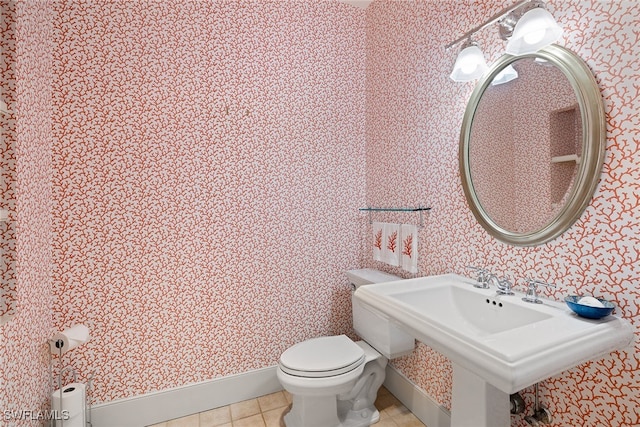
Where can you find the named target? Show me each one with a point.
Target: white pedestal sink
(478, 403)
(498, 344)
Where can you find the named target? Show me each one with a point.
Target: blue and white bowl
(587, 310)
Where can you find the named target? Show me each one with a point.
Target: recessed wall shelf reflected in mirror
(419, 209)
(3, 107)
(567, 158)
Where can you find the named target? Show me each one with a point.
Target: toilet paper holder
(63, 370)
(59, 420)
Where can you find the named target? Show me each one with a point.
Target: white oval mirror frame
(593, 147)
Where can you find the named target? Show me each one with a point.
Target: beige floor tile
(396, 410)
(407, 420)
(189, 421)
(389, 405)
(383, 415)
(383, 391)
(269, 411)
(272, 401)
(244, 409)
(275, 417)
(215, 417)
(252, 421)
(385, 399)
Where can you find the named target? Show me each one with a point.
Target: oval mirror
(532, 145)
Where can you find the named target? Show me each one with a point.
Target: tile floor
(267, 411)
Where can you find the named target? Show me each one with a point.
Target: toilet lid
(322, 357)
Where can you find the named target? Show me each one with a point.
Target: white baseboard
(416, 400)
(152, 408)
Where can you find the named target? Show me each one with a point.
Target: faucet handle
(532, 290)
(504, 286)
(483, 276)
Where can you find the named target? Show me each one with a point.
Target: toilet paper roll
(70, 408)
(69, 339)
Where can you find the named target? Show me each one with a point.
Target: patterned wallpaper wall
(208, 163)
(414, 114)
(24, 375)
(208, 170)
(8, 290)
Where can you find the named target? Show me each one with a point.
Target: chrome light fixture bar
(495, 18)
(527, 26)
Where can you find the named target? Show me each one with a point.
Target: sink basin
(469, 312)
(492, 339)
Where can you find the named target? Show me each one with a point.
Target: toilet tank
(374, 327)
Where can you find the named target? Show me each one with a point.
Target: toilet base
(362, 418)
(341, 403)
(315, 413)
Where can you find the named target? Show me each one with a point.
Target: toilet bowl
(334, 380)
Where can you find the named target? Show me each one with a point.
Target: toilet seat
(322, 357)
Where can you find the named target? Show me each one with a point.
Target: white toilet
(333, 380)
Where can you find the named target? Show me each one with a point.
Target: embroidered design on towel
(407, 246)
(392, 241)
(392, 244)
(409, 261)
(378, 231)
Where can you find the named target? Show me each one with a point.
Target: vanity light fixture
(527, 26)
(470, 63)
(504, 76)
(535, 30)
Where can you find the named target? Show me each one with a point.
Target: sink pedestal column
(476, 403)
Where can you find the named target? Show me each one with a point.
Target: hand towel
(391, 249)
(378, 239)
(409, 248)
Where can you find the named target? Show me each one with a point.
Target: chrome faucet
(532, 290)
(486, 279)
(503, 285)
(482, 278)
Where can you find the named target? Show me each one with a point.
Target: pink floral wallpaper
(414, 114)
(8, 290)
(24, 375)
(203, 163)
(208, 169)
